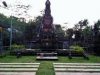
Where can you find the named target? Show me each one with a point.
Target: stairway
(47, 56)
(18, 68)
(77, 68)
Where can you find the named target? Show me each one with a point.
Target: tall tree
(97, 37)
(32, 28)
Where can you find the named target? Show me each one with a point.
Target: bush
(77, 48)
(17, 47)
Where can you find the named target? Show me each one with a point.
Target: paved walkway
(75, 73)
(17, 73)
(18, 68)
(77, 68)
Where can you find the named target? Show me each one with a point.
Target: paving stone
(17, 73)
(84, 64)
(75, 73)
(47, 58)
(18, 68)
(20, 63)
(67, 66)
(76, 70)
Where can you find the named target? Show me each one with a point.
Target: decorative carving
(47, 18)
(47, 27)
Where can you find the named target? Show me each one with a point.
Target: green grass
(62, 59)
(46, 68)
(93, 59)
(13, 59)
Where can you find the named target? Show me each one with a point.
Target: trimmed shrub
(17, 47)
(77, 49)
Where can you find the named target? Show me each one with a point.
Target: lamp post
(5, 4)
(1, 29)
(11, 32)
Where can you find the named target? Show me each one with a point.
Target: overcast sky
(63, 11)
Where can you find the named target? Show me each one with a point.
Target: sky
(64, 12)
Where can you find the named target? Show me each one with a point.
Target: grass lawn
(62, 59)
(46, 67)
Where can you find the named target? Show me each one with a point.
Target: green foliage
(69, 33)
(18, 29)
(32, 28)
(87, 31)
(59, 31)
(17, 47)
(97, 37)
(77, 48)
(81, 24)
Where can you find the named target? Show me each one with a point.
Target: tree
(32, 28)
(88, 36)
(97, 37)
(69, 34)
(78, 30)
(59, 32)
(18, 28)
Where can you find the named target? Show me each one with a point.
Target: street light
(1, 40)
(11, 32)
(5, 4)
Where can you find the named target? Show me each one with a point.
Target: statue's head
(47, 2)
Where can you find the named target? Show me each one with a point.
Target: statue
(47, 9)
(47, 38)
(47, 30)
(47, 18)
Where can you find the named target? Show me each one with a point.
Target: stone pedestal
(47, 56)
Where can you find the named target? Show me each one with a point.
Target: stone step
(17, 73)
(19, 66)
(78, 64)
(75, 70)
(47, 58)
(77, 67)
(18, 69)
(76, 73)
(19, 63)
(65, 66)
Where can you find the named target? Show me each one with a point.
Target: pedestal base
(47, 56)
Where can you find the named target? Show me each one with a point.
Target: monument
(47, 37)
